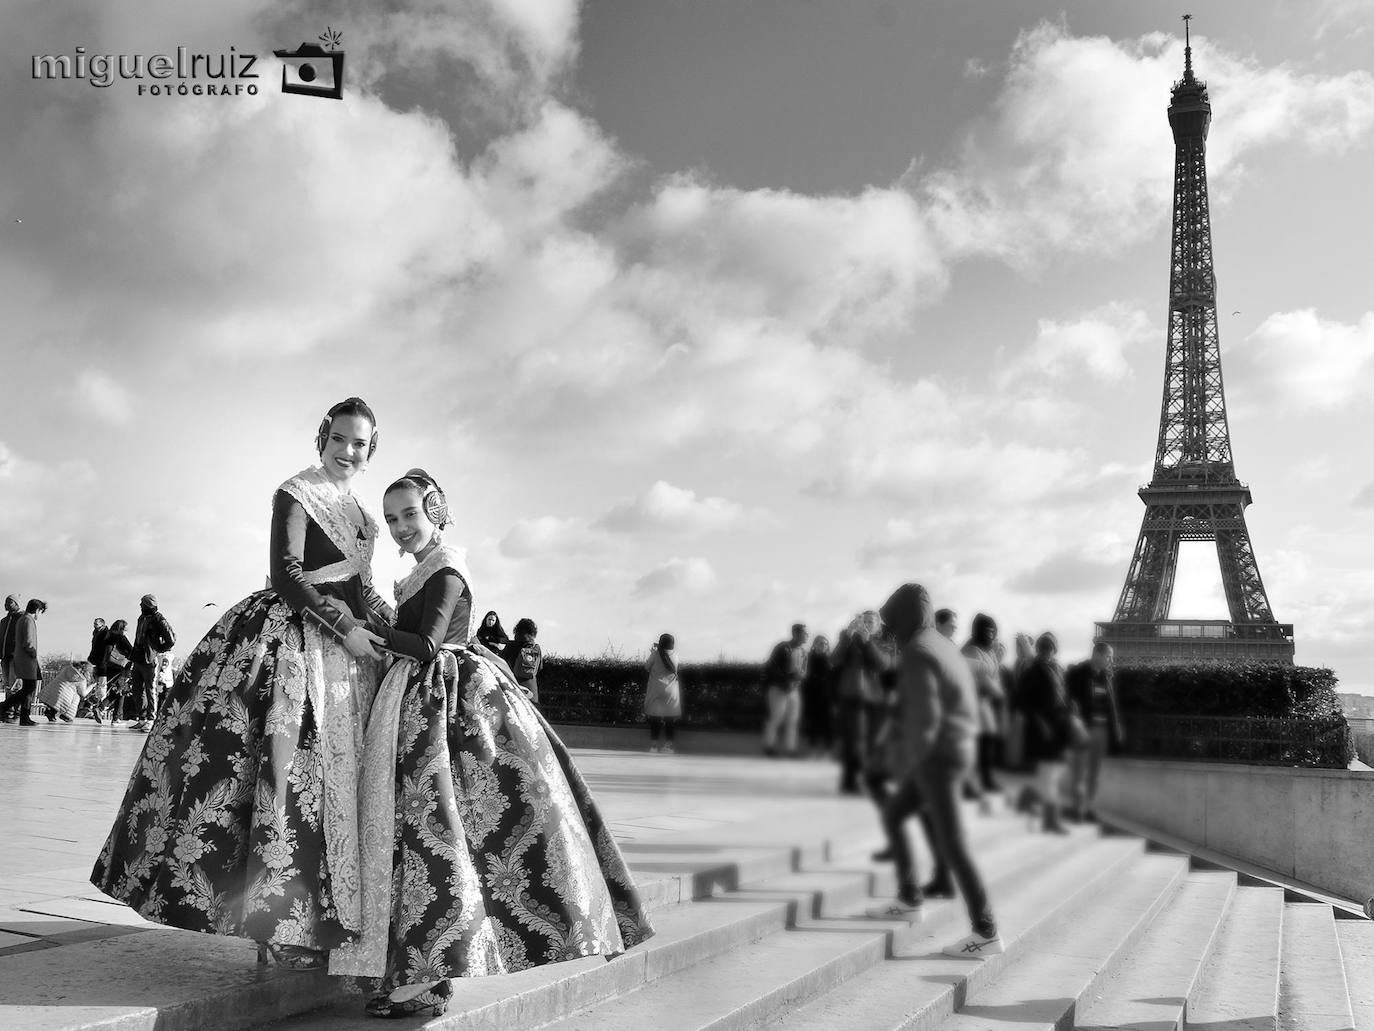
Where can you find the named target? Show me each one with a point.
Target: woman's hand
(363, 643)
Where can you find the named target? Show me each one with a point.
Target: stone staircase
(1102, 931)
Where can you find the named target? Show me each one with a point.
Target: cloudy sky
(709, 316)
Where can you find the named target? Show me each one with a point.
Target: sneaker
(897, 910)
(142, 727)
(938, 890)
(668, 750)
(975, 946)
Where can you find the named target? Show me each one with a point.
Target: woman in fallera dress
(241, 815)
(483, 850)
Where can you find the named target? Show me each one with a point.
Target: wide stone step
(1239, 987)
(1313, 995)
(770, 979)
(1357, 954)
(1153, 985)
(687, 936)
(165, 979)
(921, 987)
(1041, 992)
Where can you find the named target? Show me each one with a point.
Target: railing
(1253, 740)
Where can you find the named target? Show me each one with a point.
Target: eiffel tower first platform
(1194, 494)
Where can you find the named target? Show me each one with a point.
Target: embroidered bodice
(434, 606)
(321, 561)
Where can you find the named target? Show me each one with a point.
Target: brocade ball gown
(483, 850)
(241, 815)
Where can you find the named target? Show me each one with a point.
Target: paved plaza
(678, 818)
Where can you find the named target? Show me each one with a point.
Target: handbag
(116, 658)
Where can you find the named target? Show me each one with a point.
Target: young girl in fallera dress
(241, 816)
(482, 849)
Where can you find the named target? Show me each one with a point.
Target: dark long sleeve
(440, 597)
(289, 523)
(382, 612)
(26, 639)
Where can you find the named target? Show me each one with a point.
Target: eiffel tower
(1194, 494)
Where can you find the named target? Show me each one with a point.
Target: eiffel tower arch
(1194, 494)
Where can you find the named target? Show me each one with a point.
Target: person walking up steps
(937, 720)
(662, 696)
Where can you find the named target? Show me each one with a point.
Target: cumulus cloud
(1312, 362)
(539, 536)
(668, 508)
(684, 575)
(1097, 343)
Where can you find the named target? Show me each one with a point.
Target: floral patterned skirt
(241, 815)
(490, 855)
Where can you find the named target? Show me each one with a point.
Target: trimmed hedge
(1230, 689)
(1238, 712)
(610, 691)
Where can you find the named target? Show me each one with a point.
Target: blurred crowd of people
(1033, 714)
(118, 679)
(918, 722)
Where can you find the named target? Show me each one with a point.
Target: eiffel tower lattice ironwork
(1194, 494)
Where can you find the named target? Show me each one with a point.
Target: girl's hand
(362, 643)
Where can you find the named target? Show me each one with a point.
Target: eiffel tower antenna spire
(1187, 48)
(1194, 494)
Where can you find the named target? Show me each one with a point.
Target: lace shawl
(444, 556)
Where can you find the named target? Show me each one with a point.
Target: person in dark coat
(1092, 690)
(1048, 715)
(152, 636)
(858, 663)
(981, 654)
(115, 662)
(818, 699)
(25, 666)
(491, 634)
(9, 624)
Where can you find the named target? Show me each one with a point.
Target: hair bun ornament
(434, 502)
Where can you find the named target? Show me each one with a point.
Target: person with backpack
(152, 635)
(524, 657)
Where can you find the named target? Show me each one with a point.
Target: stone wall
(1315, 826)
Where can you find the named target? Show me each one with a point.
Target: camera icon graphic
(312, 71)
